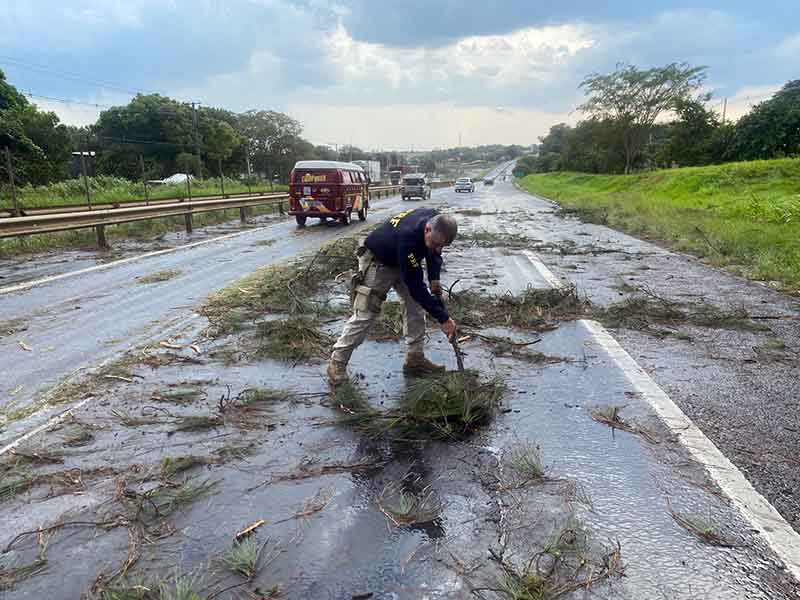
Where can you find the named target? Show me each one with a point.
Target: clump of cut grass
(11, 574)
(705, 531)
(171, 466)
(159, 276)
(198, 423)
(264, 243)
(506, 349)
(12, 326)
(610, 415)
(646, 311)
(566, 563)
(535, 309)
(15, 484)
(249, 409)
(449, 405)
(404, 506)
(488, 239)
(177, 587)
(129, 420)
(234, 452)
(78, 438)
(775, 350)
(294, 339)
(352, 404)
(181, 394)
(166, 499)
(526, 460)
(242, 558)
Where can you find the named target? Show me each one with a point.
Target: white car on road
(465, 184)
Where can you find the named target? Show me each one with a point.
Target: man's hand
(436, 288)
(449, 328)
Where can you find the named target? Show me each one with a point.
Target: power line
(68, 75)
(106, 106)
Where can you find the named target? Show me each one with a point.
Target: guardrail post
(85, 180)
(102, 243)
(221, 177)
(243, 214)
(280, 208)
(144, 180)
(9, 168)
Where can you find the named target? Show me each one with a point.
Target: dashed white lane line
(540, 267)
(768, 522)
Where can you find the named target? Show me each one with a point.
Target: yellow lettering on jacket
(395, 221)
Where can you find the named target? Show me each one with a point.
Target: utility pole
(85, 179)
(196, 139)
(724, 110)
(9, 168)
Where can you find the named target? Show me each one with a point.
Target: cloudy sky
(384, 73)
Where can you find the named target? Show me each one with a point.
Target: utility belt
(363, 297)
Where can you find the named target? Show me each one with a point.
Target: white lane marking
(29, 284)
(56, 419)
(779, 535)
(766, 520)
(540, 267)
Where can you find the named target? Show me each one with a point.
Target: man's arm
(411, 271)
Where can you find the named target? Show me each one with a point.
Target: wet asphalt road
(84, 321)
(354, 552)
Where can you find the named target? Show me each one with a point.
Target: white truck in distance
(372, 168)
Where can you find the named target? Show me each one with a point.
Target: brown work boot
(417, 364)
(337, 372)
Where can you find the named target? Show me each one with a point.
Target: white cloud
(532, 55)
(422, 126)
(745, 98)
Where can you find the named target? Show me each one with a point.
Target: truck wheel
(301, 220)
(362, 214)
(345, 218)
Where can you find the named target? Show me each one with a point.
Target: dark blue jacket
(400, 243)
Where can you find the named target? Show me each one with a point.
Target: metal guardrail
(82, 218)
(46, 210)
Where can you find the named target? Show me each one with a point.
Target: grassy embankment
(112, 189)
(744, 216)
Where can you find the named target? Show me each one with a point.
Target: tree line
(636, 119)
(154, 136)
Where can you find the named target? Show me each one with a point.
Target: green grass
(109, 190)
(744, 215)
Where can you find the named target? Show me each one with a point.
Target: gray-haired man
(391, 257)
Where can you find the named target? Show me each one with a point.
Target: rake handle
(459, 354)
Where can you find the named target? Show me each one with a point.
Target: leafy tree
(690, 138)
(634, 98)
(772, 128)
(39, 143)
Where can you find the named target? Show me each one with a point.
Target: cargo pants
(378, 279)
